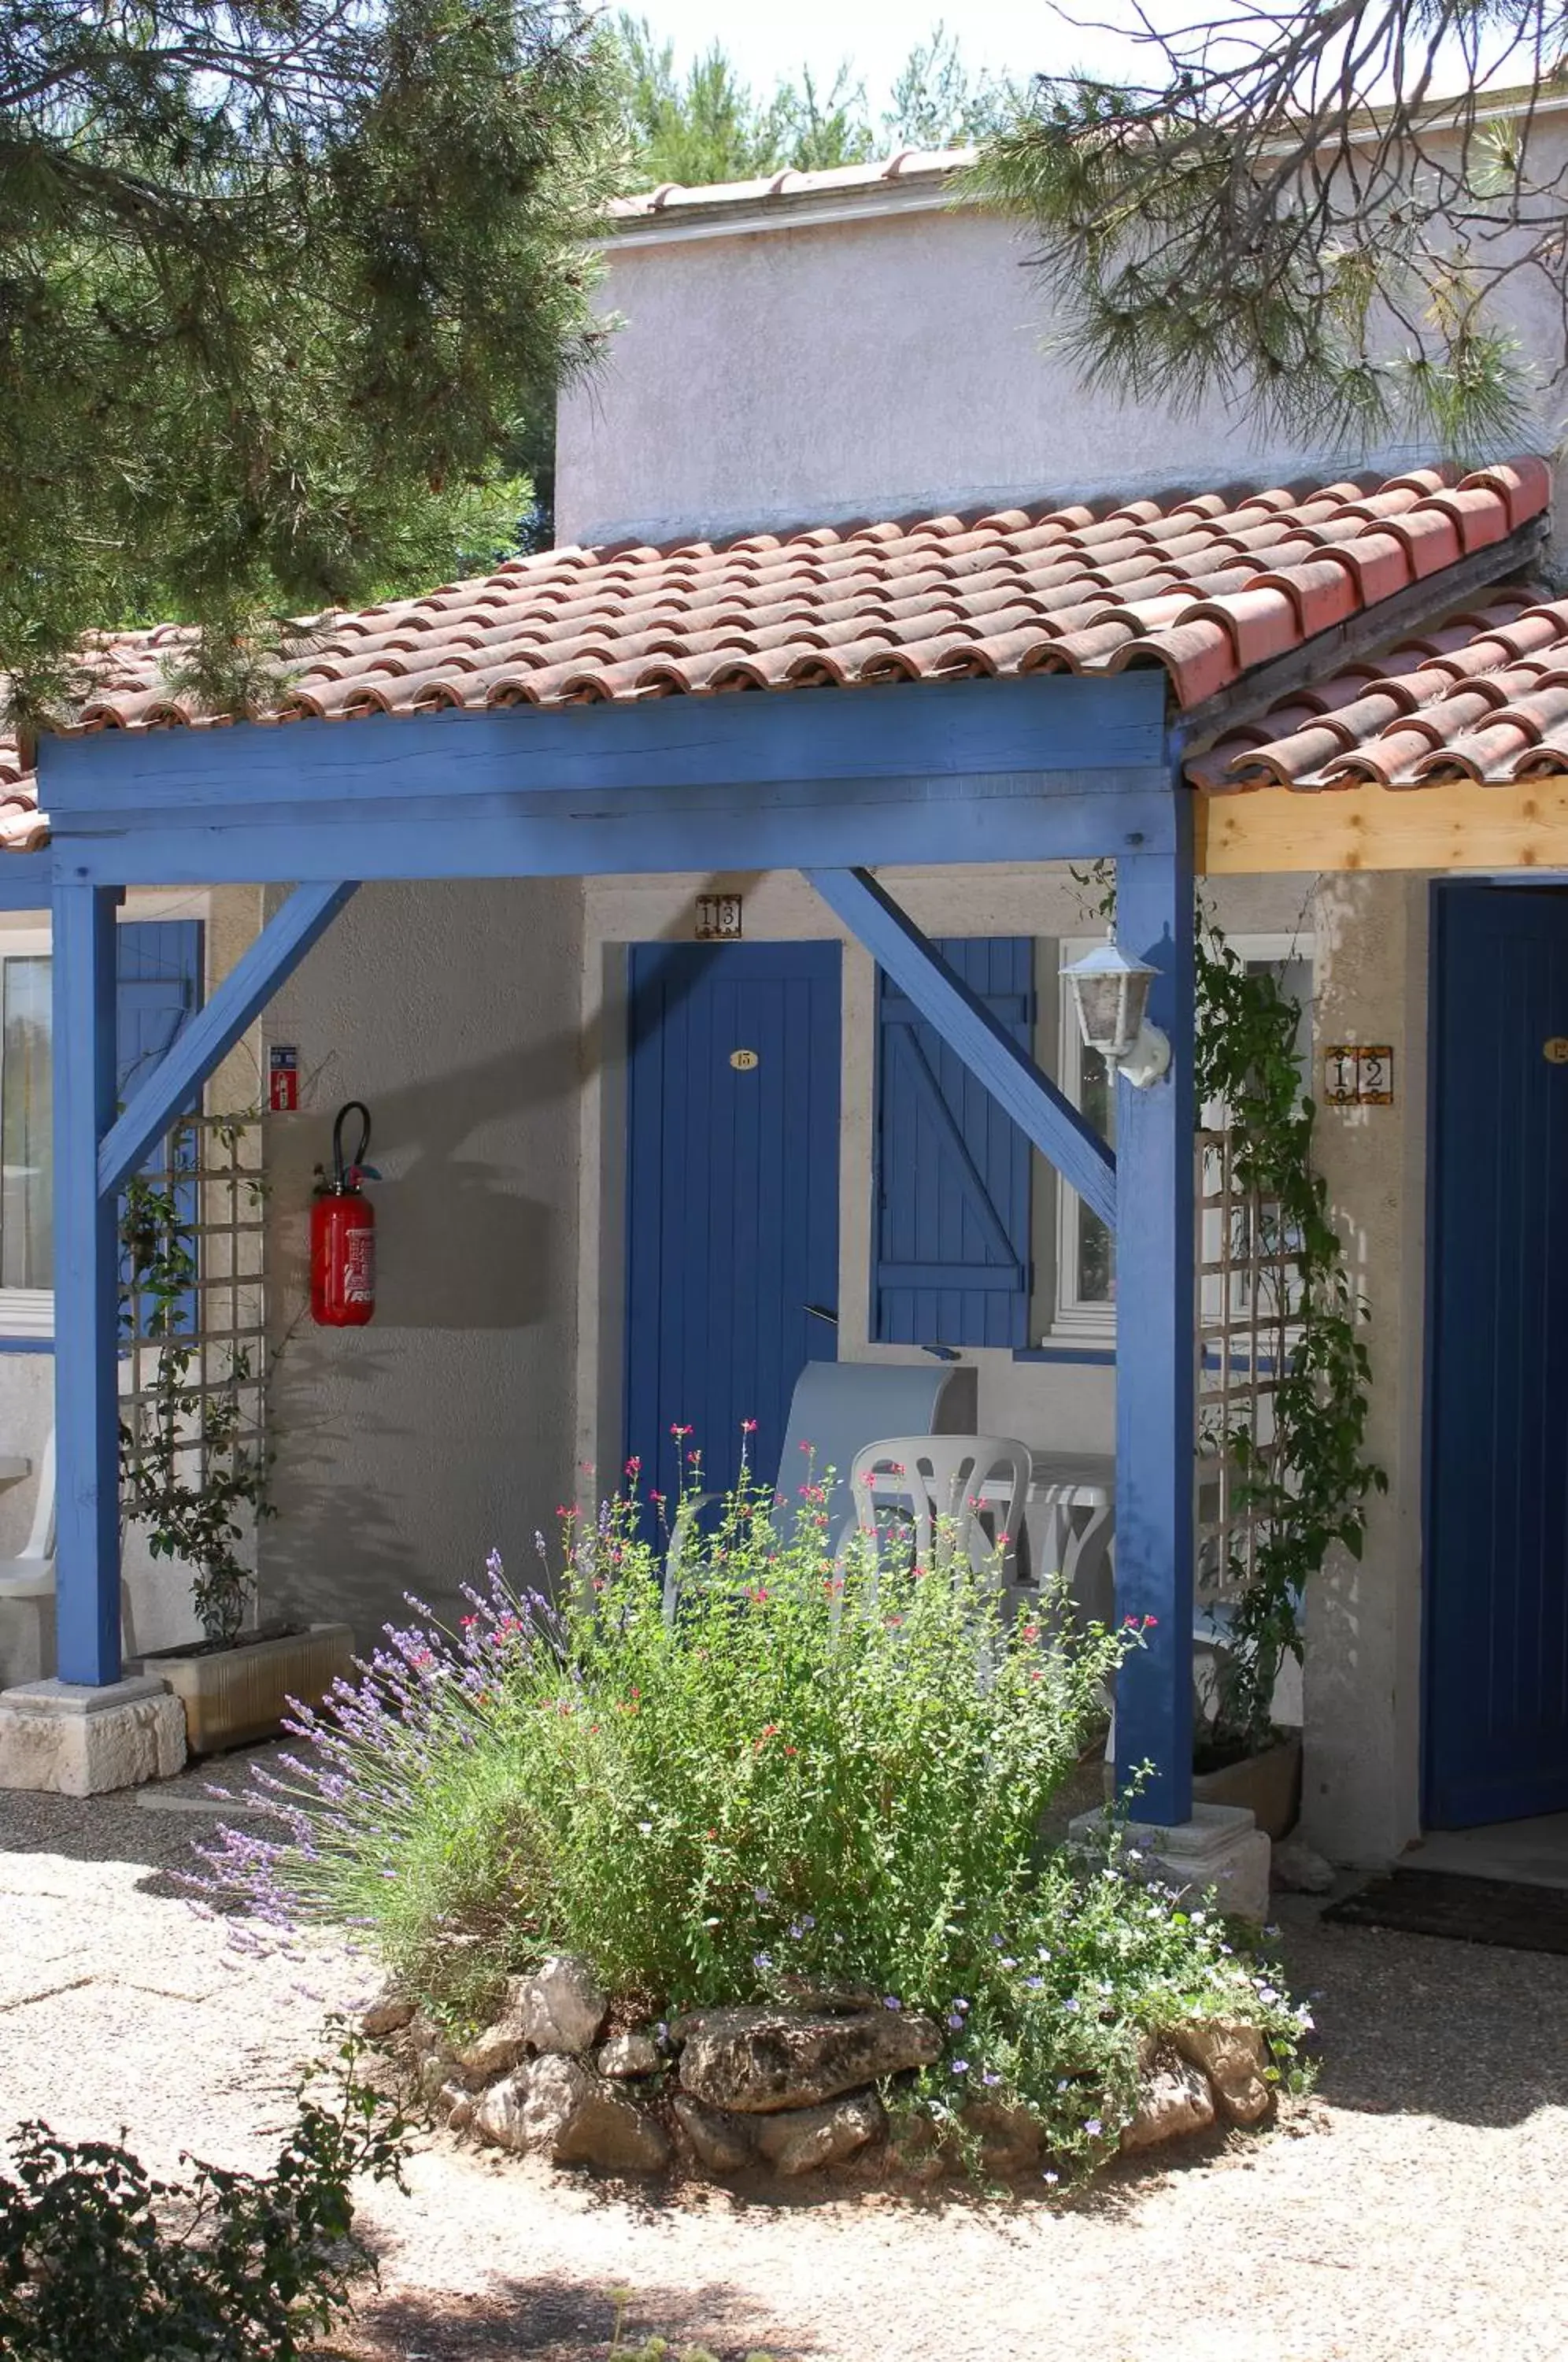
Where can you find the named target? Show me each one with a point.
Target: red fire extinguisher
(343, 1234)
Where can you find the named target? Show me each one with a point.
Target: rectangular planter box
(241, 1694)
(1270, 1784)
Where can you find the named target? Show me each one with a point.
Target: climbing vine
(1307, 1487)
(193, 1468)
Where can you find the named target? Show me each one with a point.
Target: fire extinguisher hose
(341, 1182)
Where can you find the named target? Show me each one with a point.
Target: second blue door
(1496, 1638)
(732, 1122)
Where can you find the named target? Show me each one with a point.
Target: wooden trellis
(1249, 1296)
(213, 1165)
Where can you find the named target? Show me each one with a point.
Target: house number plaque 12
(1358, 1074)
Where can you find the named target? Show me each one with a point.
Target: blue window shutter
(158, 988)
(952, 1262)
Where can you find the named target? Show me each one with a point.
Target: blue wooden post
(1156, 1342)
(86, 1290)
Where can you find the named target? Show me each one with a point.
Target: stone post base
(1221, 1847)
(76, 1741)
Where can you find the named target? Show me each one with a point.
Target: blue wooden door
(1496, 1639)
(733, 1091)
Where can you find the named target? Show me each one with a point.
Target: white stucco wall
(410, 1448)
(770, 368)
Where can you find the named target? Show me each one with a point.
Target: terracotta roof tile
(1205, 586)
(1482, 696)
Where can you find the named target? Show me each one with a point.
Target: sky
(771, 39)
(874, 37)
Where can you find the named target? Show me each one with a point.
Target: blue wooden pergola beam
(941, 995)
(86, 1290)
(947, 729)
(26, 880)
(1156, 1287)
(268, 963)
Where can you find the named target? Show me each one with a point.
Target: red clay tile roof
(1206, 588)
(1481, 696)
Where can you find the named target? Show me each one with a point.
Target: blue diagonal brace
(213, 1030)
(941, 995)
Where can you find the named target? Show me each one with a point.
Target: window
(158, 968)
(1085, 1303)
(27, 1136)
(1084, 1295)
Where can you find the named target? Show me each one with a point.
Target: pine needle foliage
(1325, 216)
(281, 282)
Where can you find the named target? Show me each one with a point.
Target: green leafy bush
(814, 1773)
(98, 2258)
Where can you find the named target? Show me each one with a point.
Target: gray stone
(1233, 2059)
(388, 2013)
(627, 2055)
(1299, 1871)
(1009, 2137)
(758, 2060)
(433, 2076)
(555, 2107)
(67, 1739)
(560, 2007)
(804, 2140)
(493, 2051)
(1173, 2100)
(456, 2104)
(720, 2142)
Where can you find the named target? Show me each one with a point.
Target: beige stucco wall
(410, 1448)
(1360, 1799)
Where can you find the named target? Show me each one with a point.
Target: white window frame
(26, 1312)
(1072, 1317)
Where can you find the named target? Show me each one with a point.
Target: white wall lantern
(1110, 993)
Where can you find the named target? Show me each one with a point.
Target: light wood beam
(1456, 825)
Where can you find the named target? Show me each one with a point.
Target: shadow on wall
(463, 1253)
(337, 1550)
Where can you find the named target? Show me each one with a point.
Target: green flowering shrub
(99, 2259)
(815, 1772)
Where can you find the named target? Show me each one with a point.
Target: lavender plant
(817, 1771)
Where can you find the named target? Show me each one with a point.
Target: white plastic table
(1071, 1521)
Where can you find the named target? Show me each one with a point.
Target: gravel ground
(1409, 2212)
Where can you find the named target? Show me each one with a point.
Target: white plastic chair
(30, 1574)
(837, 1408)
(950, 1497)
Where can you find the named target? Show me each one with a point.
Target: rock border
(779, 2089)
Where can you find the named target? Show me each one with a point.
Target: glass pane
(26, 1133)
(1097, 1248)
